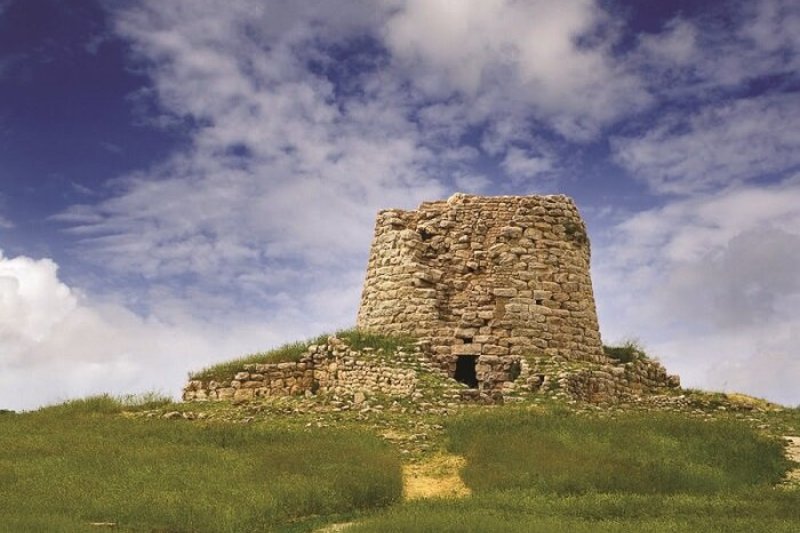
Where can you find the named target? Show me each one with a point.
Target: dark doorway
(465, 370)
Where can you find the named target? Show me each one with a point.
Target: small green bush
(627, 352)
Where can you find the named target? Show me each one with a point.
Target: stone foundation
(330, 368)
(600, 383)
(336, 369)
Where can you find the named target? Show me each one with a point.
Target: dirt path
(793, 453)
(435, 477)
(335, 528)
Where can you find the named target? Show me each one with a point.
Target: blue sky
(183, 182)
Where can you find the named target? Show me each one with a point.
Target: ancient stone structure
(330, 368)
(498, 292)
(485, 279)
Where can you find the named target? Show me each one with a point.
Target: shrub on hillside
(627, 352)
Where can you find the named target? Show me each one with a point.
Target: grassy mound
(633, 453)
(357, 340)
(559, 472)
(64, 467)
(526, 511)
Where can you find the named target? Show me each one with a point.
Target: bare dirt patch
(335, 528)
(793, 453)
(435, 477)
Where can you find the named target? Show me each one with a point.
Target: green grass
(285, 353)
(550, 468)
(107, 404)
(559, 472)
(66, 466)
(634, 453)
(627, 352)
(357, 339)
(528, 511)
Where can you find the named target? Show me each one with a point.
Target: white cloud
(56, 343)
(33, 301)
(291, 158)
(522, 165)
(266, 217)
(519, 56)
(710, 285)
(717, 51)
(722, 144)
(281, 175)
(775, 25)
(675, 46)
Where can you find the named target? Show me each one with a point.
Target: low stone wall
(335, 368)
(600, 383)
(330, 368)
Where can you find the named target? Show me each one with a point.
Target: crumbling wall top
(500, 276)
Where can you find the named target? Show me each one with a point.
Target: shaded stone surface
(490, 277)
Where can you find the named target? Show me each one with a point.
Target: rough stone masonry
(485, 280)
(498, 291)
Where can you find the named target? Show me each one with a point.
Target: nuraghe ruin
(498, 292)
(484, 276)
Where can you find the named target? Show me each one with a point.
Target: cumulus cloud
(33, 300)
(710, 284)
(56, 343)
(305, 118)
(284, 175)
(728, 113)
(292, 152)
(718, 51)
(548, 58)
(521, 165)
(737, 141)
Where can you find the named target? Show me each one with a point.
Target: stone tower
(485, 280)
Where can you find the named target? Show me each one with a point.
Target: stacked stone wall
(500, 282)
(485, 277)
(330, 368)
(336, 370)
(599, 383)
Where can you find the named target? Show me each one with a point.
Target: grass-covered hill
(718, 463)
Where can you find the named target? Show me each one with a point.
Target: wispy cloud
(521, 57)
(710, 283)
(291, 158)
(111, 147)
(523, 165)
(48, 329)
(305, 118)
(729, 113)
(720, 144)
(721, 49)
